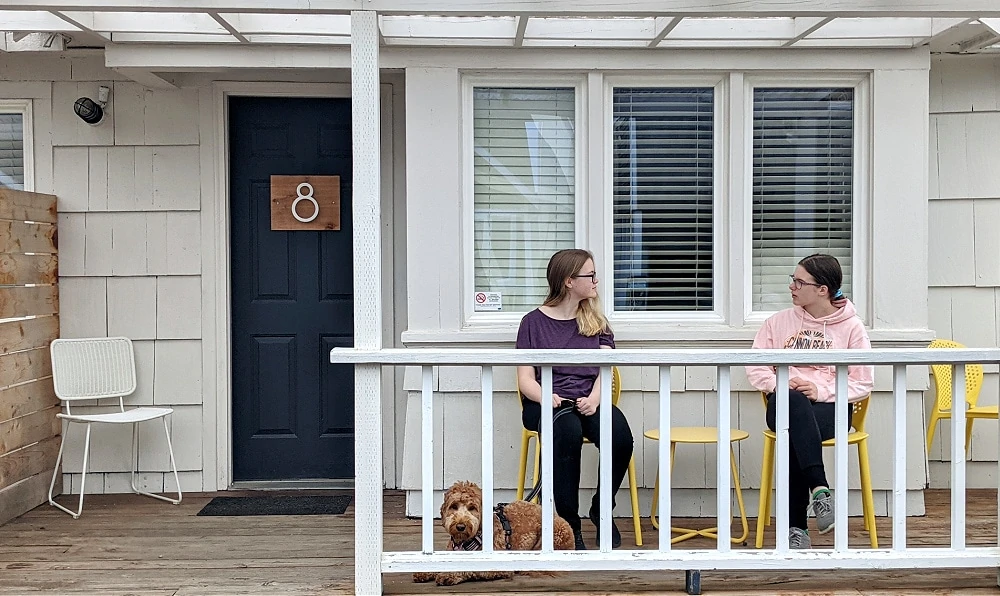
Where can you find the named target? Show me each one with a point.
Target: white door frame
(217, 422)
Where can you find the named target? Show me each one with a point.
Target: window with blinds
(524, 179)
(12, 151)
(803, 168)
(663, 169)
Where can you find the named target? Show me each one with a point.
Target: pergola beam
(804, 26)
(522, 26)
(228, 27)
(664, 26)
(551, 8)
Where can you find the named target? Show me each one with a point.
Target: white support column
(367, 301)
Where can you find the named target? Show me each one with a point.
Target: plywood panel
(17, 236)
(27, 398)
(22, 302)
(19, 205)
(24, 463)
(27, 334)
(23, 431)
(24, 366)
(20, 269)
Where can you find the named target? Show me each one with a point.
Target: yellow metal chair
(701, 435)
(942, 403)
(857, 436)
(528, 435)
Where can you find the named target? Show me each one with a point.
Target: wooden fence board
(18, 270)
(23, 302)
(17, 236)
(31, 206)
(26, 495)
(20, 367)
(25, 463)
(27, 334)
(23, 431)
(22, 400)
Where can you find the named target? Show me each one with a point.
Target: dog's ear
(449, 496)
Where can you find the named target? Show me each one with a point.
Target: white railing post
(723, 465)
(487, 466)
(781, 458)
(545, 441)
(427, 459)
(899, 458)
(840, 431)
(604, 470)
(665, 464)
(367, 155)
(958, 408)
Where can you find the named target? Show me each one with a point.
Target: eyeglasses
(798, 283)
(592, 276)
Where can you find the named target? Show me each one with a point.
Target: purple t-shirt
(539, 331)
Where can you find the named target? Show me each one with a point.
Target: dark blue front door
(292, 295)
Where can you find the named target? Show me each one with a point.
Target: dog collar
(474, 543)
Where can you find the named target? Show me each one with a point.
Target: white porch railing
(841, 556)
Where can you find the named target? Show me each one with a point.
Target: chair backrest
(859, 411)
(942, 378)
(616, 387)
(93, 368)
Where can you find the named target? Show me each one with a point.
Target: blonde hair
(590, 319)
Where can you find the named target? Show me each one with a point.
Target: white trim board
(217, 357)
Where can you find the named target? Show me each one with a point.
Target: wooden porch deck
(126, 544)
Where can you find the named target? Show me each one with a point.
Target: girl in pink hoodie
(821, 318)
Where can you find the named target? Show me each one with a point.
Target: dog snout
(460, 527)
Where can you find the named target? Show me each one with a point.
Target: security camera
(90, 111)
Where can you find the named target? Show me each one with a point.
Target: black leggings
(809, 424)
(569, 431)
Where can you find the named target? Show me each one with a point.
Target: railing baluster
(840, 460)
(545, 439)
(605, 457)
(664, 463)
(723, 465)
(958, 407)
(899, 458)
(427, 458)
(781, 459)
(487, 432)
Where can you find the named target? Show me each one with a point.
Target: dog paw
(422, 577)
(449, 580)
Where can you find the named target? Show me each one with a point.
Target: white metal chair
(100, 368)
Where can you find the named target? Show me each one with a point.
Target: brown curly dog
(461, 517)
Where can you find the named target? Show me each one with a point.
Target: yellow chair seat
(528, 435)
(700, 435)
(852, 438)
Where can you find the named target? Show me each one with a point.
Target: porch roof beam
(668, 8)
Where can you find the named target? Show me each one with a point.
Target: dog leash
(505, 524)
(537, 490)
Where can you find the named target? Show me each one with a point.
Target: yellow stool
(700, 435)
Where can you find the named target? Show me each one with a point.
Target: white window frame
(862, 183)
(605, 207)
(579, 85)
(23, 107)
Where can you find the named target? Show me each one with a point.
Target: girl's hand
(557, 401)
(805, 387)
(588, 405)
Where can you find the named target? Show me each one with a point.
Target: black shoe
(578, 540)
(616, 536)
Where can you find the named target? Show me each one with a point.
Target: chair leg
(538, 468)
(866, 492)
(931, 429)
(83, 478)
(656, 501)
(739, 497)
(766, 481)
(523, 467)
(634, 494)
(173, 465)
(55, 471)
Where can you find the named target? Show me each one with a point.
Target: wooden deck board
(127, 544)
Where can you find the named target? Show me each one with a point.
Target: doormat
(305, 505)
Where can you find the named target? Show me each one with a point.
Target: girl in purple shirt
(571, 318)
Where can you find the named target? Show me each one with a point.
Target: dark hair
(826, 270)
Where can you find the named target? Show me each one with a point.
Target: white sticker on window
(488, 301)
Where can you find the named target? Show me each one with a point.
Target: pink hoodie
(794, 328)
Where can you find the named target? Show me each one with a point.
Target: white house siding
(964, 243)
(896, 303)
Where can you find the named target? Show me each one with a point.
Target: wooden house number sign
(305, 202)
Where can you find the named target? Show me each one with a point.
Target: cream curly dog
(461, 517)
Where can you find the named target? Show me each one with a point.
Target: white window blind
(525, 188)
(803, 168)
(12, 151)
(663, 151)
